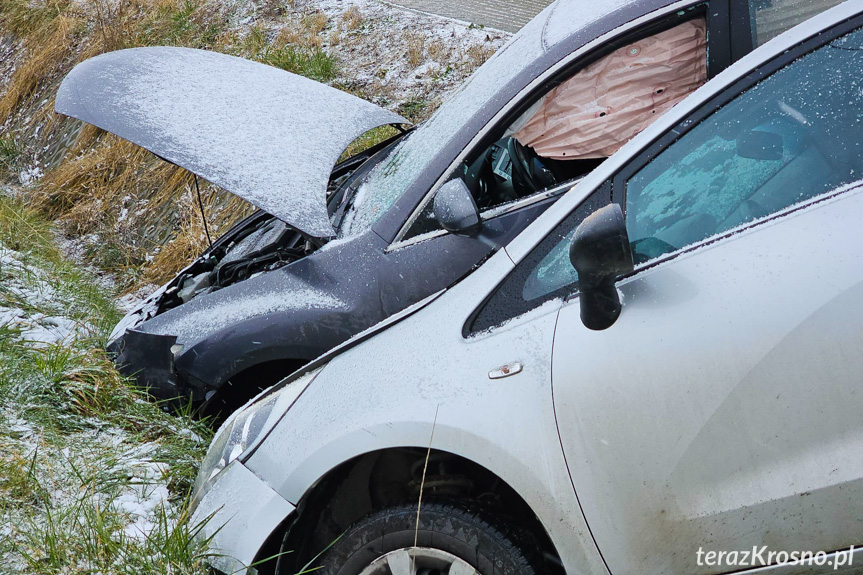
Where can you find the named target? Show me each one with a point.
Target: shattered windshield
(394, 175)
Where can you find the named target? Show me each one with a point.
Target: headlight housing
(246, 428)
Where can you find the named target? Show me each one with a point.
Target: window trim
(564, 68)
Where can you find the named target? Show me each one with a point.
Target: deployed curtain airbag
(603, 106)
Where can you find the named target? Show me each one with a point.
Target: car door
(722, 411)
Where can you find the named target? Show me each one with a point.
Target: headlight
(245, 427)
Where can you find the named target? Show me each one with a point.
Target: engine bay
(265, 244)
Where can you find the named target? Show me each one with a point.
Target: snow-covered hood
(266, 135)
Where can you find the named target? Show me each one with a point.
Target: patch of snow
(30, 175)
(75, 250)
(133, 300)
(266, 135)
(40, 330)
(142, 498)
(24, 289)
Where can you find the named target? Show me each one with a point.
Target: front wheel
(451, 540)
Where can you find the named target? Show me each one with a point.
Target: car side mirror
(760, 145)
(600, 253)
(455, 209)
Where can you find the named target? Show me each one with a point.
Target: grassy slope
(93, 475)
(136, 213)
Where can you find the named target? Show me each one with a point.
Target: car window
(793, 136)
(772, 17)
(544, 275)
(584, 119)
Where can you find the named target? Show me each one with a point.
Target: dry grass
(47, 47)
(478, 54)
(23, 17)
(415, 47)
(438, 51)
(86, 194)
(315, 23)
(352, 18)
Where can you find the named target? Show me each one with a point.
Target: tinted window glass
(772, 17)
(793, 136)
(545, 274)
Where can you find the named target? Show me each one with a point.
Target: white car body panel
(240, 513)
(741, 397)
(506, 425)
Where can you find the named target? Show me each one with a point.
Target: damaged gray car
(337, 247)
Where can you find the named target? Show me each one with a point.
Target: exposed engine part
(193, 286)
(265, 244)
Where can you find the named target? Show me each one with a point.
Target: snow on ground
(98, 469)
(25, 285)
(392, 55)
(133, 486)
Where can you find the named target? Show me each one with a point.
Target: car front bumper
(241, 512)
(147, 358)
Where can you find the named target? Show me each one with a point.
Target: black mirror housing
(455, 209)
(600, 253)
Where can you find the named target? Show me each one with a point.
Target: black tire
(469, 534)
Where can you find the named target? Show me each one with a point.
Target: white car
(662, 374)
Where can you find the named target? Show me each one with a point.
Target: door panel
(724, 409)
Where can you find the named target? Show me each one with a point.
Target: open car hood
(266, 135)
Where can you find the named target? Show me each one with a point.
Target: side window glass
(586, 118)
(793, 136)
(544, 275)
(773, 17)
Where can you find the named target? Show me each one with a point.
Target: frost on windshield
(392, 177)
(266, 135)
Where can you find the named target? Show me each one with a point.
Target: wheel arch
(379, 478)
(247, 382)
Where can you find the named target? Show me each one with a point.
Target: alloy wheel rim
(419, 561)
